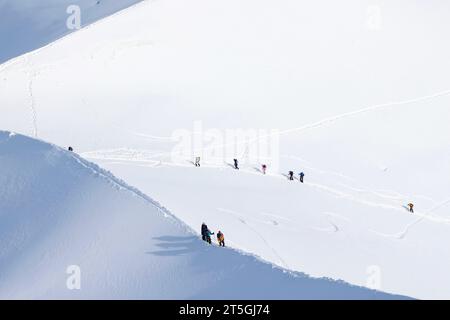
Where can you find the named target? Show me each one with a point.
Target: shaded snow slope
(26, 25)
(59, 210)
(363, 111)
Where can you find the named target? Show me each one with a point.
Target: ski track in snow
(275, 216)
(402, 234)
(320, 171)
(382, 194)
(243, 221)
(336, 215)
(313, 125)
(32, 110)
(31, 76)
(365, 110)
(144, 135)
(398, 197)
(378, 194)
(332, 119)
(335, 227)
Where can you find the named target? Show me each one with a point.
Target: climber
(236, 166)
(291, 175)
(301, 175)
(208, 236)
(204, 231)
(263, 168)
(221, 239)
(197, 161)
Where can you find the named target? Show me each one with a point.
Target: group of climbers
(206, 235)
(301, 176)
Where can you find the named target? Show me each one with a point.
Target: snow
(363, 112)
(27, 25)
(59, 211)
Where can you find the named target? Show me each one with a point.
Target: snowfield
(360, 104)
(58, 211)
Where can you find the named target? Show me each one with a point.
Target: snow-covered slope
(362, 108)
(26, 25)
(58, 210)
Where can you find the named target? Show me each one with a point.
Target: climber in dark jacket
(291, 175)
(301, 176)
(236, 164)
(204, 231)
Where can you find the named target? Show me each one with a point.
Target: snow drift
(58, 210)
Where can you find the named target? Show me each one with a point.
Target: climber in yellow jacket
(221, 239)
